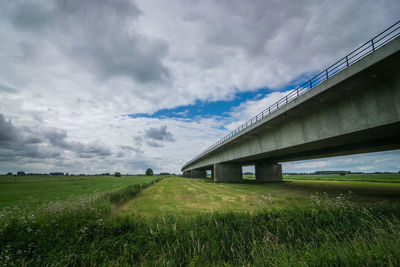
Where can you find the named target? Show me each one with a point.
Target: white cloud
(78, 67)
(250, 108)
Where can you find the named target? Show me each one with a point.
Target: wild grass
(333, 233)
(332, 229)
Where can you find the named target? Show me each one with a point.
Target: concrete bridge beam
(198, 173)
(227, 173)
(268, 172)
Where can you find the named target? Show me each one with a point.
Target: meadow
(380, 178)
(37, 190)
(178, 221)
(186, 197)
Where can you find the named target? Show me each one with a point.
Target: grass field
(371, 177)
(390, 177)
(180, 196)
(103, 221)
(35, 190)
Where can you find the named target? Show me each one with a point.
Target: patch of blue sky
(205, 109)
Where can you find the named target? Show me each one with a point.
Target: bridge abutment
(227, 173)
(268, 172)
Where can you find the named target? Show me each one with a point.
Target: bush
(117, 174)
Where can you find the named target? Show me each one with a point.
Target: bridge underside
(356, 111)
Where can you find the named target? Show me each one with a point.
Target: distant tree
(20, 173)
(149, 172)
(57, 173)
(117, 174)
(10, 173)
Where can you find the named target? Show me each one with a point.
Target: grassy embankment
(194, 222)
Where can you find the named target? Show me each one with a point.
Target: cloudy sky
(121, 85)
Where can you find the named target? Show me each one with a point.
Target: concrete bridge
(351, 107)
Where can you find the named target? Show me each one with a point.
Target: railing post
(297, 90)
(326, 72)
(373, 45)
(347, 61)
(310, 84)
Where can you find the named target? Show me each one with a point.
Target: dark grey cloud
(92, 150)
(127, 147)
(159, 134)
(247, 26)
(7, 89)
(97, 34)
(25, 142)
(154, 144)
(58, 138)
(31, 16)
(7, 130)
(19, 142)
(133, 149)
(120, 154)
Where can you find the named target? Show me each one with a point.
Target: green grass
(369, 177)
(36, 190)
(390, 177)
(182, 197)
(194, 222)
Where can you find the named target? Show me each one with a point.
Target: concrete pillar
(212, 173)
(268, 172)
(186, 174)
(227, 173)
(197, 173)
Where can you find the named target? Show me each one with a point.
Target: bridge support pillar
(186, 174)
(197, 173)
(268, 172)
(227, 173)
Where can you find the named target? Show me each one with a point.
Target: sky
(101, 86)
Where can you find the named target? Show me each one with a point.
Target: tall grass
(332, 231)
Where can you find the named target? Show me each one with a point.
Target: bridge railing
(365, 49)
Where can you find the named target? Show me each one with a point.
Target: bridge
(349, 108)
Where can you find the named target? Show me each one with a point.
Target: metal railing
(367, 48)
